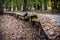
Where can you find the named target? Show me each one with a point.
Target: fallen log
(49, 22)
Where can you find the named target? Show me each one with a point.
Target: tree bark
(45, 4)
(1, 6)
(54, 5)
(25, 7)
(9, 7)
(40, 5)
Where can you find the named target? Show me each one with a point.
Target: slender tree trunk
(45, 4)
(18, 7)
(25, 7)
(1, 6)
(14, 7)
(6, 7)
(9, 7)
(40, 5)
(54, 6)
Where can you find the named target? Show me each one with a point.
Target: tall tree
(25, 7)
(1, 6)
(40, 4)
(9, 6)
(54, 5)
(45, 4)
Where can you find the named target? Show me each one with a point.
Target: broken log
(49, 22)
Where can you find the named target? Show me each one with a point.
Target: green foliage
(20, 2)
(13, 2)
(31, 2)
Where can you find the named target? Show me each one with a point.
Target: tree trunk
(45, 4)
(40, 5)
(54, 5)
(9, 8)
(18, 7)
(1, 6)
(25, 7)
(14, 7)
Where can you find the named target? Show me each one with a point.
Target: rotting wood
(49, 26)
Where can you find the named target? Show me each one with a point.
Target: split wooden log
(49, 25)
(50, 28)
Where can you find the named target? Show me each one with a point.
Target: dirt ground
(13, 29)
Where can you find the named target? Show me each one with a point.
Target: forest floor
(12, 28)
